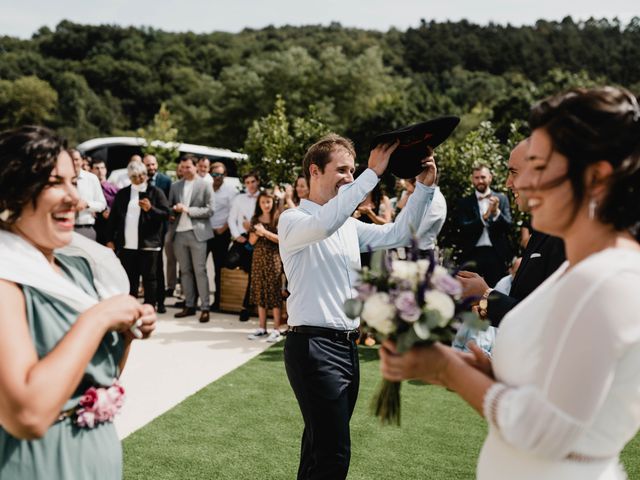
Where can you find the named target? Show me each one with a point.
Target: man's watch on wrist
(483, 304)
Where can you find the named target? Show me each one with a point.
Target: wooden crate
(233, 284)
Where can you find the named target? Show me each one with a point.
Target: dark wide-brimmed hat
(405, 161)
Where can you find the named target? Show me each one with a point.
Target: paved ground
(182, 357)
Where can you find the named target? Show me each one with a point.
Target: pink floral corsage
(99, 405)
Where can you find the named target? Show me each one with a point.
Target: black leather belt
(348, 335)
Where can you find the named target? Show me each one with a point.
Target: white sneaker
(274, 336)
(259, 333)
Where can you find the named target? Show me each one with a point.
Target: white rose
(404, 270)
(441, 303)
(378, 312)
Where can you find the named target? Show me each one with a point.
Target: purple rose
(365, 290)
(407, 306)
(445, 283)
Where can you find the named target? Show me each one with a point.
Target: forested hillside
(97, 80)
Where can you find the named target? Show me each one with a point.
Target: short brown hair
(320, 153)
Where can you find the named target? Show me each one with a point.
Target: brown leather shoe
(186, 312)
(204, 316)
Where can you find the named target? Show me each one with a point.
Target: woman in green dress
(61, 347)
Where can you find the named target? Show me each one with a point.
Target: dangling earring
(593, 205)
(5, 214)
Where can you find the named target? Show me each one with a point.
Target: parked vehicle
(116, 152)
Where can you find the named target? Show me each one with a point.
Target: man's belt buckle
(353, 335)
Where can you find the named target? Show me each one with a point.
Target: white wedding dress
(567, 360)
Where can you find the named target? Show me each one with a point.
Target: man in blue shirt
(320, 245)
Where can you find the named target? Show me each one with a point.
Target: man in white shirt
(432, 220)
(223, 194)
(242, 209)
(192, 203)
(484, 219)
(320, 245)
(203, 170)
(91, 201)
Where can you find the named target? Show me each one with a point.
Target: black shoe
(181, 304)
(161, 309)
(244, 315)
(204, 316)
(186, 312)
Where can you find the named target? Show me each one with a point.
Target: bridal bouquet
(412, 302)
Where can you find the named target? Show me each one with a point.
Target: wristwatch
(483, 304)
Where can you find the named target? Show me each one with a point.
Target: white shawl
(22, 263)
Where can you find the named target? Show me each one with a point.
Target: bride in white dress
(562, 391)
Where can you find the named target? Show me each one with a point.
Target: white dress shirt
(89, 190)
(223, 200)
(483, 206)
(242, 208)
(432, 221)
(184, 224)
(320, 247)
(207, 178)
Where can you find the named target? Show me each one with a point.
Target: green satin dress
(66, 452)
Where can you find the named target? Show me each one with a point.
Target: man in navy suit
(542, 256)
(484, 218)
(161, 181)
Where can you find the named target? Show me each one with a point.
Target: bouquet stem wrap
(386, 403)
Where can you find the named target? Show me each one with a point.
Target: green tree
(161, 129)
(276, 145)
(26, 100)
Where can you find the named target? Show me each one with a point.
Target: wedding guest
(136, 227)
(266, 266)
(320, 244)
(293, 194)
(484, 220)
(204, 165)
(242, 208)
(432, 220)
(218, 246)
(557, 410)
(99, 169)
(119, 177)
(59, 343)
(92, 200)
(165, 288)
(192, 204)
(542, 256)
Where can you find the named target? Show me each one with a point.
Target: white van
(116, 152)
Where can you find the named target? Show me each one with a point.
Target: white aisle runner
(181, 357)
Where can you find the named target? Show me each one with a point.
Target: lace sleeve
(594, 323)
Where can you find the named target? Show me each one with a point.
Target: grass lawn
(247, 426)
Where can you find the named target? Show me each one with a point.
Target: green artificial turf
(247, 426)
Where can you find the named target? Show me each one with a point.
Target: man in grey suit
(192, 202)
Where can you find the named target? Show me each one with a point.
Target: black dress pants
(145, 263)
(219, 245)
(325, 377)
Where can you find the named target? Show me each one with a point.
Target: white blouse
(567, 360)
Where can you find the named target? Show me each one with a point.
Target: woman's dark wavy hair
(590, 125)
(28, 154)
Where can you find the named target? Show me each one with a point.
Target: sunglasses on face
(214, 175)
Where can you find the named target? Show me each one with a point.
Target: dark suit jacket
(471, 226)
(543, 255)
(150, 224)
(161, 181)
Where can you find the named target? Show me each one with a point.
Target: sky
(22, 18)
